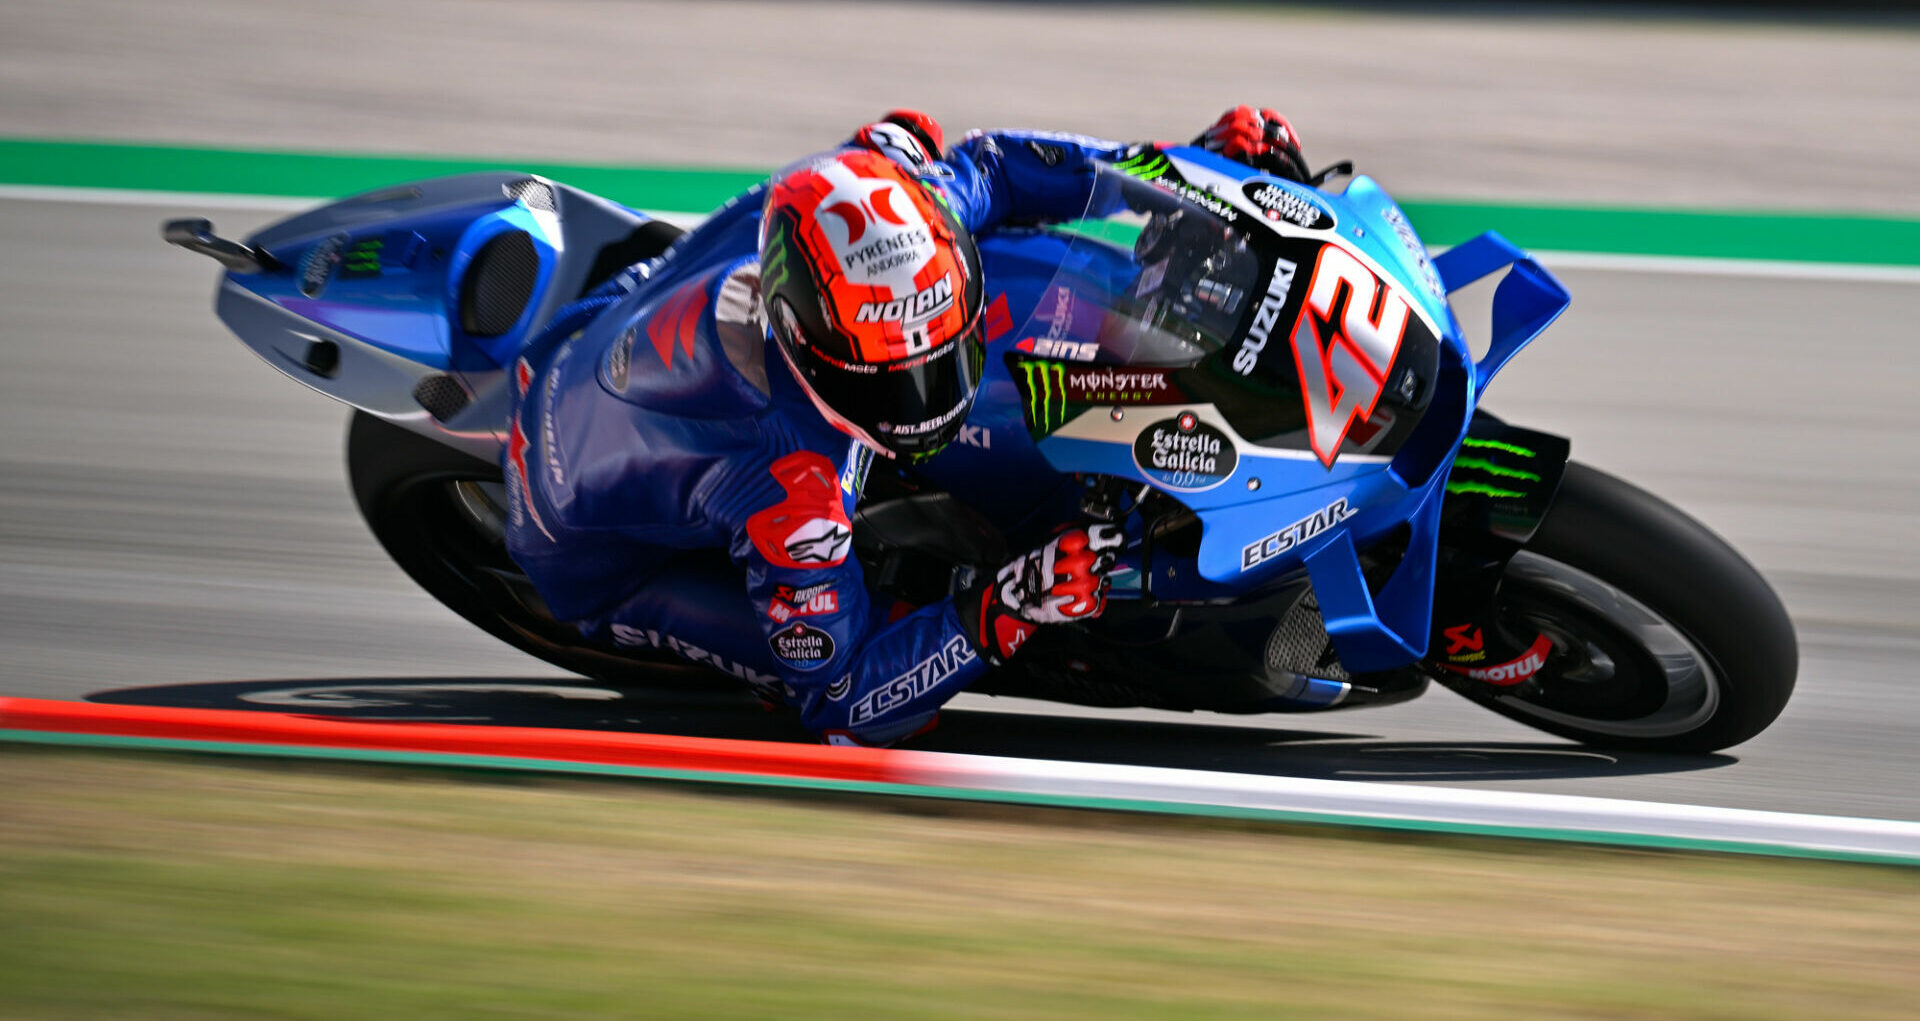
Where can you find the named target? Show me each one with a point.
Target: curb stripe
(1810, 237)
(604, 748)
(966, 777)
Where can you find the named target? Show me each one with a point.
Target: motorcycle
(1263, 381)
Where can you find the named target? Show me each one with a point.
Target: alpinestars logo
(924, 677)
(820, 541)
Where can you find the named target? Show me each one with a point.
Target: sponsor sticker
(1466, 643)
(802, 646)
(922, 428)
(1184, 454)
(648, 638)
(1513, 671)
(877, 233)
(1286, 205)
(924, 676)
(838, 690)
(1415, 250)
(811, 601)
(1064, 350)
(853, 477)
(818, 542)
(925, 303)
(1267, 547)
(1266, 317)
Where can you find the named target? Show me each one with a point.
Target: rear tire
(1665, 638)
(440, 514)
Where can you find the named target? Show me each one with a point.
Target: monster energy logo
(1498, 471)
(1147, 166)
(363, 257)
(774, 271)
(1046, 395)
(1517, 451)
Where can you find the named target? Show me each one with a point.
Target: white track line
(1561, 816)
(1599, 261)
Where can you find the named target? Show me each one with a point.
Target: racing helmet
(873, 294)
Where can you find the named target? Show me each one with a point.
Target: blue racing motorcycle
(1264, 381)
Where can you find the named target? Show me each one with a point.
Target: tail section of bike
(408, 303)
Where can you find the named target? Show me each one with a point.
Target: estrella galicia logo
(318, 266)
(1184, 454)
(802, 646)
(1297, 208)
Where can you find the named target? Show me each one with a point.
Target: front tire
(1664, 638)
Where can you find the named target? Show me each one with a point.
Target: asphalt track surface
(175, 527)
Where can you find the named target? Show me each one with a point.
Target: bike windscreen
(1151, 278)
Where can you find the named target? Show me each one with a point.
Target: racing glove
(1262, 139)
(1065, 580)
(908, 137)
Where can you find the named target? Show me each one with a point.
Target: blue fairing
(1280, 508)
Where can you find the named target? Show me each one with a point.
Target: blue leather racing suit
(671, 486)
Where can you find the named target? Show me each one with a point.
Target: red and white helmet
(873, 293)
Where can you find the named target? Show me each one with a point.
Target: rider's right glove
(1262, 139)
(1064, 580)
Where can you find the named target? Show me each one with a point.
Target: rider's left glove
(1064, 580)
(1262, 139)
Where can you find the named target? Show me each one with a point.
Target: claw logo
(820, 541)
(677, 320)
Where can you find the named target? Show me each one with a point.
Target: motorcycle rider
(684, 458)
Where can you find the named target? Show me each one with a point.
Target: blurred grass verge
(179, 887)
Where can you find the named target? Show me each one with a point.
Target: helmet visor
(909, 408)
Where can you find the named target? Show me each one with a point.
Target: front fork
(1501, 485)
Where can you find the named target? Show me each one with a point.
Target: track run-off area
(175, 527)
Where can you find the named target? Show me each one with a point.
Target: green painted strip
(243, 172)
(1700, 234)
(1796, 236)
(490, 762)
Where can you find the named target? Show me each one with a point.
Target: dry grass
(154, 887)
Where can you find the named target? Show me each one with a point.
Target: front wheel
(1664, 638)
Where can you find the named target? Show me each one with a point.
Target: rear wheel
(441, 515)
(1664, 638)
